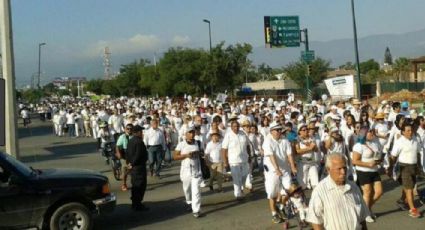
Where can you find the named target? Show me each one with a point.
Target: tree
(368, 65)
(94, 86)
(388, 59)
(298, 70)
(32, 95)
(50, 89)
(265, 71)
(402, 68)
(347, 66)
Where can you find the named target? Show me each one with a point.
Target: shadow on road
(62, 152)
(125, 218)
(34, 131)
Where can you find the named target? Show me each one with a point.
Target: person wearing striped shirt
(337, 203)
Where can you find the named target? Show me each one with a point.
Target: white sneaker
(369, 219)
(203, 184)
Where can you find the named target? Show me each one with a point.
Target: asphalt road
(41, 149)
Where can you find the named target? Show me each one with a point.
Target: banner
(341, 87)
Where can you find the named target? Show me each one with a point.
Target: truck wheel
(71, 216)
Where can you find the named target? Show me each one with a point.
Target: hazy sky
(77, 30)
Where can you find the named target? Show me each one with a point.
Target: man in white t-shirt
(406, 150)
(235, 155)
(278, 165)
(190, 172)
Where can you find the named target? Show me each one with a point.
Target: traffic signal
(309, 70)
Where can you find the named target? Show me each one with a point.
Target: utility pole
(39, 63)
(356, 52)
(6, 39)
(209, 29)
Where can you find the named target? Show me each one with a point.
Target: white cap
(275, 125)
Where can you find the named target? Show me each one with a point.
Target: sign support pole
(308, 63)
(12, 144)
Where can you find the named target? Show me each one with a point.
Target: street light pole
(209, 29)
(39, 63)
(356, 51)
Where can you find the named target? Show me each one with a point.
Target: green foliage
(298, 70)
(401, 68)
(347, 66)
(183, 71)
(109, 88)
(387, 57)
(369, 65)
(94, 86)
(32, 95)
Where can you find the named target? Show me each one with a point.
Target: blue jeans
(71, 130)
(155, 157)
(167, 155)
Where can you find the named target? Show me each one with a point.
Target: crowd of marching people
(338, 148)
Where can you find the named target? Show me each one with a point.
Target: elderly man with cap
(278, 166)
(235, 154)
(188, 152)
(137, 155)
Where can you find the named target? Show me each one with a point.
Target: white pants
(239, 175)
(192, 191)
(59, 129)
(77, 129)
(275, 184)
(308, 172)
(249, 178)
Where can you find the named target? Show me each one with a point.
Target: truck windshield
(21, 167)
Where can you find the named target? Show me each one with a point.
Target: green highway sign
(284, 31)
(307, 56)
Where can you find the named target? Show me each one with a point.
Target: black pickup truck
(51, 198)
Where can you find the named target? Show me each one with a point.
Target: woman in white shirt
(366, 158)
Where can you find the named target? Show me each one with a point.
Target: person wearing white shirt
(406, 150)
(58, 122)
(306, 148)
(381, 129)
(337, 203)
(355, 111)
(367, 158)
(25, 116)
(214, 160)
(278, 166)
(235, 155)
(395, 111)
(70, 122)
(190, 172)
(155, 141)
(116, 124)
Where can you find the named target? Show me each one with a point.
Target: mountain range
(340, 51)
